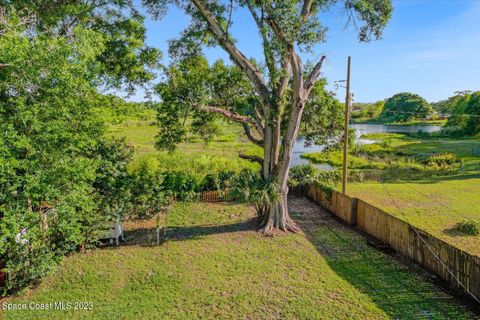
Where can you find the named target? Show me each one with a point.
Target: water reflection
(360, 129)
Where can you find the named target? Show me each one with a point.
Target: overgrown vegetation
(465, 110)
(366, 112)
(400, 156)
(303, 175)
(468, 226)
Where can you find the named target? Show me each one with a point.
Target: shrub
(145, 188)
(249, 186)
(302, 175)
(468, 226)
(180, 185)
(442, 160)
(217, 181)
(329, 177)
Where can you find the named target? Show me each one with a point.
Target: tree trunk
(276, 217)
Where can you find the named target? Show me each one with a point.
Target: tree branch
(282, 86)
(312, 77)
(267, 49)
(236, 55)
(228, 114)
(251, 158)
(306, 9)
(248, 133)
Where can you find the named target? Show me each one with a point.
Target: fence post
(353, 214)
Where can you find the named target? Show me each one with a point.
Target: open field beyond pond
(221, 152)
(215, 265)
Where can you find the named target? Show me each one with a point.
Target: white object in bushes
(19, 238)
(115, 232)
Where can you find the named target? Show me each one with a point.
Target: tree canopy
(465, 112)
(404, 107)
(125, 61)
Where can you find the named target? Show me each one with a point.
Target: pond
(360, 129)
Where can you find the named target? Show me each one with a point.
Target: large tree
(404, 107)
(281, 83)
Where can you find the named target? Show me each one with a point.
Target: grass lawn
(215, 265)
(434, 204)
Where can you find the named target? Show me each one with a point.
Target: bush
(217, 181)
(442, 160)
(302, 175)
(180, 185)
(468, 226)
(249, 186)
(145, 188)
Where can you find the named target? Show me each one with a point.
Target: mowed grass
(434, 204)
(214, 265)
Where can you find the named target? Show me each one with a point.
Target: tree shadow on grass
(147, 236)
(400, 288)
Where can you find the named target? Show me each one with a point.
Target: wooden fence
(434, 254)
(214, 196)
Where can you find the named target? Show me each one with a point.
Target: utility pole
(345, 137)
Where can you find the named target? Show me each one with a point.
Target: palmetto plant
(250, 187)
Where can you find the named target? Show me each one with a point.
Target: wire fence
(412, 173)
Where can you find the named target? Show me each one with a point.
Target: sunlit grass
(217, 266)
(435, 204)
(220, 153)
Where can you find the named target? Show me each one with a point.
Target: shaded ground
(215, 265)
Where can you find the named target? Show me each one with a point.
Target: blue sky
(429, 47)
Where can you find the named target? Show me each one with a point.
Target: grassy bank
(409, 123)
(398, 151)
(193, 155)
(215, 265)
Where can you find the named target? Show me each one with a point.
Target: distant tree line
(462, 110)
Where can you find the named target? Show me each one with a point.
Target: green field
(215, 265)
(220, 153)
(435, 202)
(434, 205)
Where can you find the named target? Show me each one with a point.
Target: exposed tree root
(276, 218)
